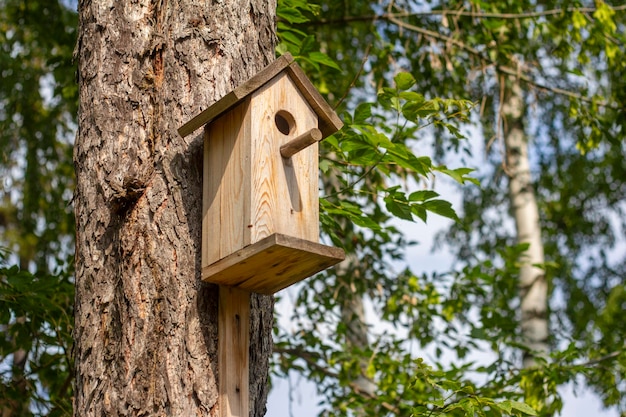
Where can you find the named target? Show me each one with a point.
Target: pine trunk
(533, 285)
(146, 326)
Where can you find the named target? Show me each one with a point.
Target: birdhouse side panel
(284, 190)
(227, 176)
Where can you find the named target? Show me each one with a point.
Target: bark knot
(127, 195)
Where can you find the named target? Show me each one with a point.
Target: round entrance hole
(285, 122)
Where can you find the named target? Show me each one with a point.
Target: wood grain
(285, 195)
(303, 141)
(226, 200)
(272, 264)
(233, 352)
(250, 191)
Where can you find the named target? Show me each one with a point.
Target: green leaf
(365, 156)
(307, 45)
(578, 20)
(420, 212)
(399, 155)
(325, 165)
(524, 408)
(459, 174)
(404, 81)
(371, 370)
(323, 59)
(505, 406)
(365, 222)
(291, 15)
(441, 207)
(398, 208)
(412, 96)
(450, 385)
(414, 110)
(422, 195)
(467, 406)
(604, 14)
(362, 112)
(494, 24)
(291, 37)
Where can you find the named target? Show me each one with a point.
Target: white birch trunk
(533, 285)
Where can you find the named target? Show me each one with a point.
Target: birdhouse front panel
(226, 184)
(285, 194)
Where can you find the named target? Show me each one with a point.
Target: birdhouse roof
(328, 121)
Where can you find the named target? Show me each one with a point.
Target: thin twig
(501, 127)
(311, 359)
(472, 14)
(356, 77)
(604, 358)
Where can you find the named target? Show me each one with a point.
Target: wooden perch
(301, 142)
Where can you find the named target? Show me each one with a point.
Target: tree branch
(356, 77)
(311, 360)
(604, 358)
(472, 14)
(395, 19)
(498, 67)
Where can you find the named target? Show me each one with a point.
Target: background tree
(37, 113)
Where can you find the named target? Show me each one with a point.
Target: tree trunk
(352, 308)
(353, 316)
(17, 401)
(533, 285)
(146, 326)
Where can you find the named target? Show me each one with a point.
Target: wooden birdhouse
(260, 229)
(260, 224)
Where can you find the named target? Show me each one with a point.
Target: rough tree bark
(146, 328)
(533, 285)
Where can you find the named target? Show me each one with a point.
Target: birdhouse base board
(272, 264)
